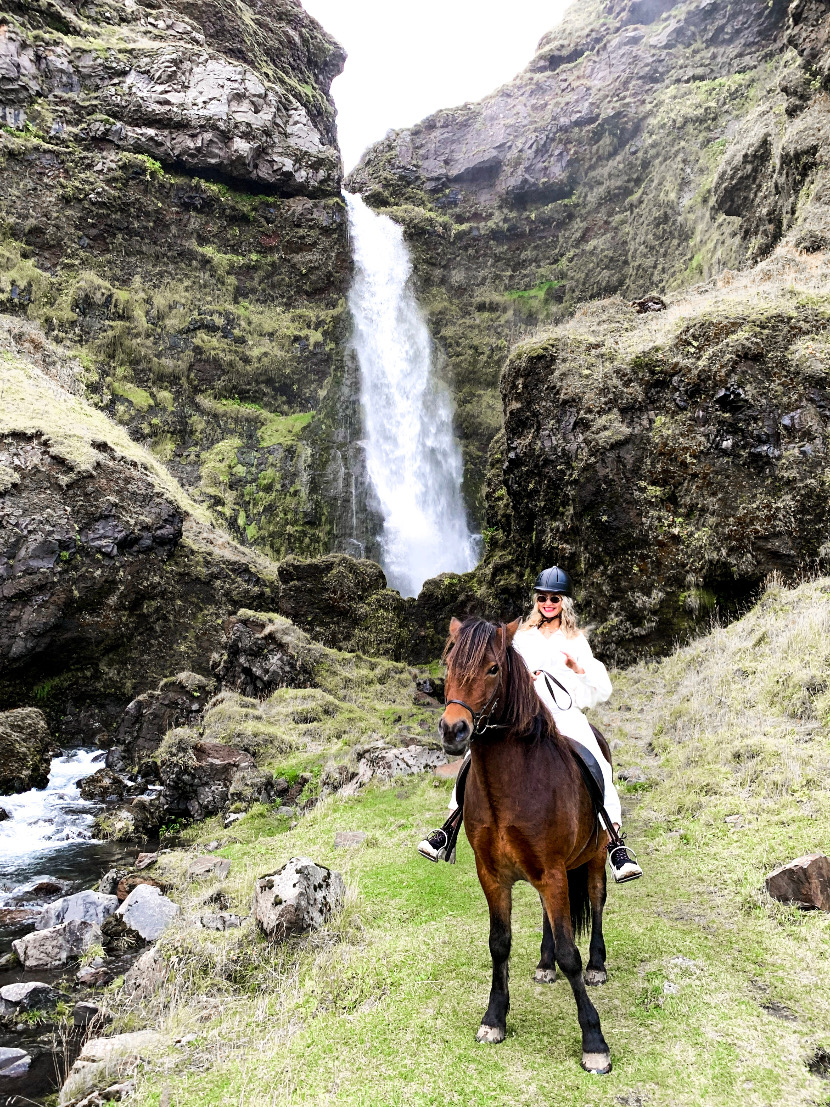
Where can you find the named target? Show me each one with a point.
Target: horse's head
(477, 678)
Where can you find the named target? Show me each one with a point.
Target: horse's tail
(579, 900)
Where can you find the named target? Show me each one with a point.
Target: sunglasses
(543, 597)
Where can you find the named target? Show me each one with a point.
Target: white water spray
(55, 815)
(412, 457)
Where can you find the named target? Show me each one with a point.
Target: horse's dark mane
(521, 710)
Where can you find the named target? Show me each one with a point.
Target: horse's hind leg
(596, 1057)
(493, 1027)
(596, 972)
(546, 969)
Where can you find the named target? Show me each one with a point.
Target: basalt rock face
(170, 188)
(649, 145)
(681, 458)
(25, 750)
(110, 577)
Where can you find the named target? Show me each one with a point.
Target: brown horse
(528, 817)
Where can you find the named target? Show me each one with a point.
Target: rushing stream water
(412, 457)
(49, 836)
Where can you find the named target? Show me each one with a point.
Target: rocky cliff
(112, 577)
(649, 144)
(170, 190)
(672, 460)
(670, 153)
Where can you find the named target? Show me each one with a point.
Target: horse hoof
(545, 976)
(597, 1063)
(492, 1035)
(595, 976)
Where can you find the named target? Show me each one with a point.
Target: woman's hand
(572, 665)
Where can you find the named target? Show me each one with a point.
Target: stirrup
(628, 869)
(434, 846)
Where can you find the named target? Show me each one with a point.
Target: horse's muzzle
(455, 736)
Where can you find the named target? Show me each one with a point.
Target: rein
(487, 712)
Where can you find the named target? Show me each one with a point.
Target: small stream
(49, 837)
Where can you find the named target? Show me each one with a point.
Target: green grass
(535, 293)
(381, 1007)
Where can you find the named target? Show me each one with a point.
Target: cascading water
(413, 460)
(47, 838)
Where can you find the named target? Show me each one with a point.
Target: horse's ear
(511, 629)
(455, 626)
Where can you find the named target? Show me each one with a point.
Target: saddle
(591, 775)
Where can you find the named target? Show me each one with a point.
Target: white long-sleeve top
(539, 652)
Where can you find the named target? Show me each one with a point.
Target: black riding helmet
(553, 579)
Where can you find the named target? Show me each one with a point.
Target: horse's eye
(493, 670)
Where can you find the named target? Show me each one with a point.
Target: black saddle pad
(595, 772)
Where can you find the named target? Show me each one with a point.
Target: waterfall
(412, 458)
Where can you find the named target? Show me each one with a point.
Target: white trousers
(573, 724)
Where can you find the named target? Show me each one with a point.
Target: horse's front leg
(493, 1027)
(596, 1057)
(546, 969)
(596, 972)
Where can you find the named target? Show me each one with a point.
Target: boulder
(251, 785)
(804, 881)
(104, 786)
(178, 701)
(15, 1065)
(47, 949)
(92, 907)
(146, 975)
(15, 918)
(204, 867)
(84, 1013)
(198, 776)
(298, 897)
(108, 883)
(40, 890)
(224, 920)
(147, 912)
(146, 860)
(263, 653)
(382, 761)
(103, 1061)
(131, 881)
(140, 819)
(4, 815)
(25, 750)
(26, 997)
(344, 603)
(93, 977)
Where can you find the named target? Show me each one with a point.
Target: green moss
(284, 430)
(538, 292)
(138, 397)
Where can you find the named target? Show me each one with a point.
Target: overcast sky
(407, 59)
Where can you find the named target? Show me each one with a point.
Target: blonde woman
(568, 679)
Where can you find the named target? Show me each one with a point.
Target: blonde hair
(568, 623)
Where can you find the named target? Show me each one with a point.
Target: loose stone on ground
(804, 881)
(147, 912)
(298, 897)
(46, 949)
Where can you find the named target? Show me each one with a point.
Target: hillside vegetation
(716, 994)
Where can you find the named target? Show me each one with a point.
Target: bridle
(482, 719)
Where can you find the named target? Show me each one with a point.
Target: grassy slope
(382, 1007)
